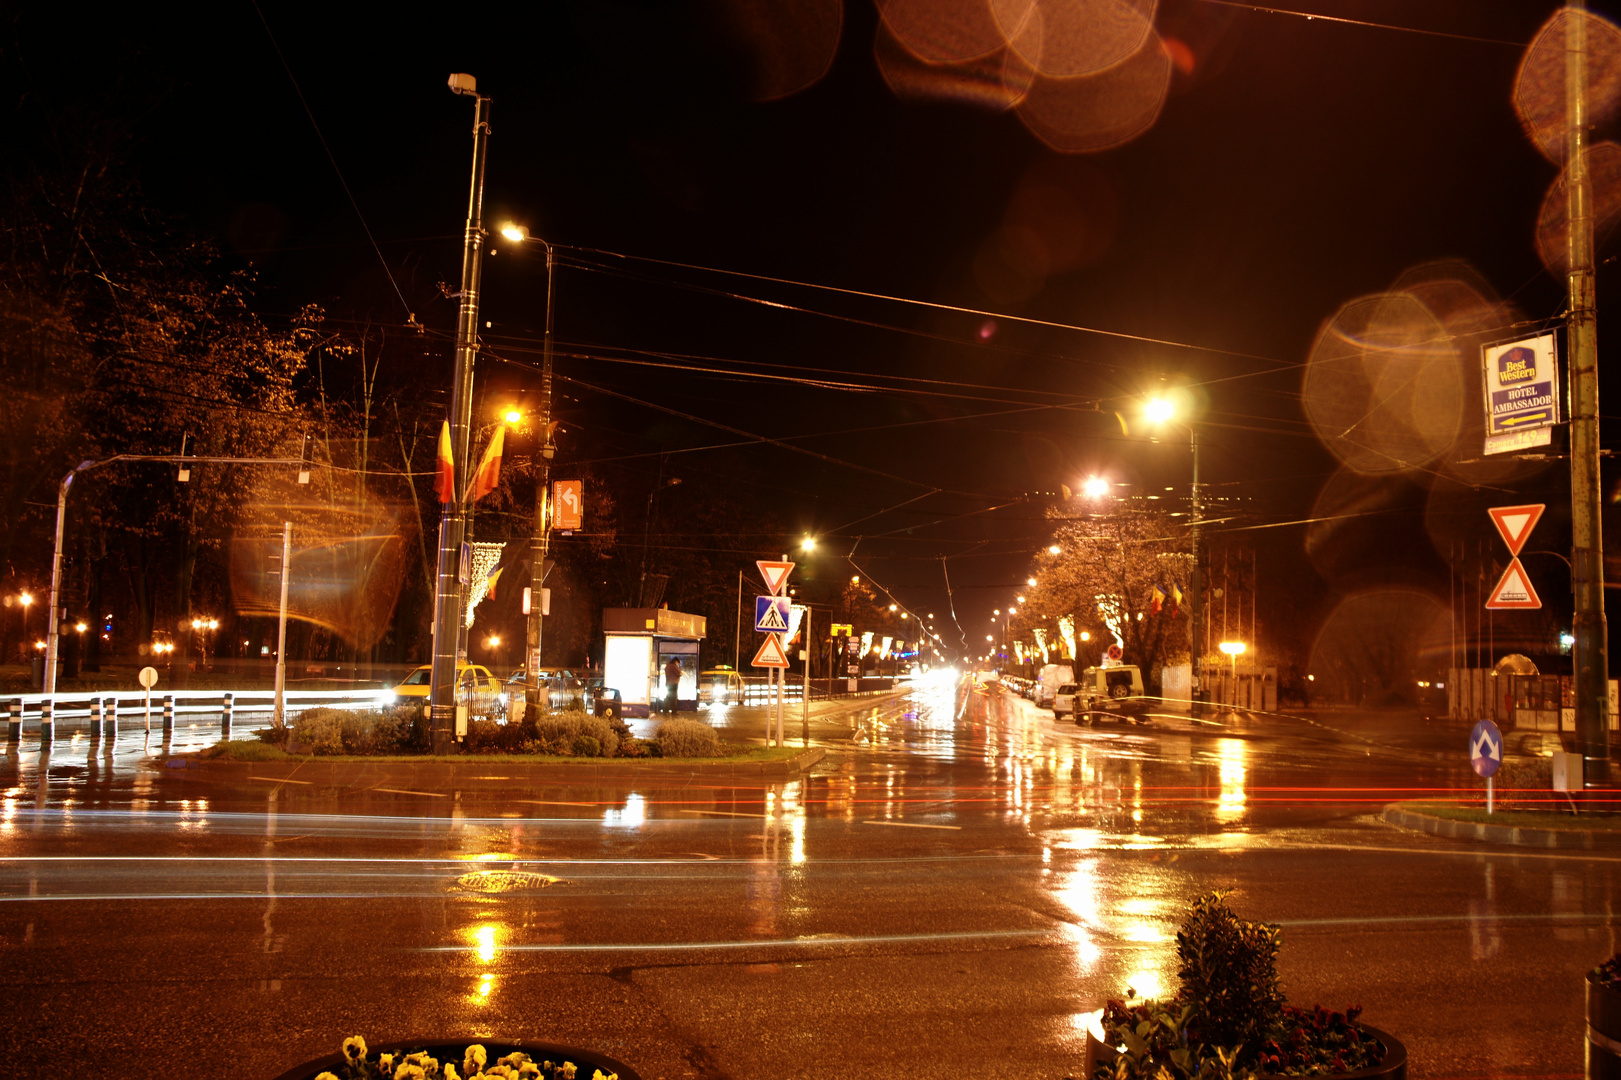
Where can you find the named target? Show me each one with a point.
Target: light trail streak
(769, 943)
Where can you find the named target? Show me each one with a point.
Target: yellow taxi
(720, 686)
(475, 687)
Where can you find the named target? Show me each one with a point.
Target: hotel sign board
(1522, 393)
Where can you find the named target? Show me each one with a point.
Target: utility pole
(447, 615)
(543, 496)
(1591, 651)
(1196, 586)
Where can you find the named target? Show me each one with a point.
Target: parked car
(561, 688)
(1110, 693)
(476, 688)
(1064, 701)
(720, 686)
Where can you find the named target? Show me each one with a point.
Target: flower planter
(1603, 1031)
(586, 1061)
(1393, 1067)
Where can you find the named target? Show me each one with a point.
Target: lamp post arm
(52, 615)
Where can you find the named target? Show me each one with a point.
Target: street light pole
(1196, 586)
(453, 518)
(543, 495)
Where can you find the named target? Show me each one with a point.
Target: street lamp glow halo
(1232, 648)
(514, 232)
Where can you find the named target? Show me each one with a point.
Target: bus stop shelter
(640, 644)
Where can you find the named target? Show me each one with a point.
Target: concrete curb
(1574, 839)
(439, 777)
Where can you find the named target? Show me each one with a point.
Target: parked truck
(1052, 677)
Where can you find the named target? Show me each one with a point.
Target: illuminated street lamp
(1054, 549)
(1163, 411)
(808, 544)
(1234, 649)
(1095, 487)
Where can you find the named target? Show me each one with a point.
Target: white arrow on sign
(1486, 748)
(571, 499)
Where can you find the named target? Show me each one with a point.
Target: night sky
(1295, 166)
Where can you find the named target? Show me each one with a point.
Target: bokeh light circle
(1383, 387)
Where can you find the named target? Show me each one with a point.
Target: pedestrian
(672, 680)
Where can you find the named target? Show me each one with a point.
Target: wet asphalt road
(948, 893)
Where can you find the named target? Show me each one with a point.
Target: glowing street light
(808, 544)
(514, 232)
(1163, 411)
(1054, 549)
(1095, 487)
(1030, 582)
(1234, 649)
(1159, 410)
(513, 416)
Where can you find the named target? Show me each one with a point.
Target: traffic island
(1522, 828)
(429, 774)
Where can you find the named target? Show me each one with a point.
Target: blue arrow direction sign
(771, 614)
(1486, 748)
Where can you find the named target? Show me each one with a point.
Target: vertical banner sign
(568, 505)
(1522, 393)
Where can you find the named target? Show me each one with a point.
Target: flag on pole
(494, 575)
(444, 478)
(1176, 598)
(489, 468)
(1156, 600)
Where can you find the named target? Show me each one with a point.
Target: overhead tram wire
(754, 436)
(932, 305)
(1311, 16)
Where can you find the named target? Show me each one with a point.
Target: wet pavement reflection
(961, 875)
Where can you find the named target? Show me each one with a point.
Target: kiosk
(641, 644)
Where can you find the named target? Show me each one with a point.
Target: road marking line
(553, 802)
(280, 780)
(908, 824)
(724, 813)
(402, 791)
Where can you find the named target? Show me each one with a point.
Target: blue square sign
(771, 614)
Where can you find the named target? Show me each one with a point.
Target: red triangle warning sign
(775, 573)
(1514, 590)
(1515, 523)
(771, 654)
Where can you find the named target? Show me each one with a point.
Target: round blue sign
(1486, 748)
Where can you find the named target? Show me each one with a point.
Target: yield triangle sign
(771, 654)
(1515, 523)
(775, 573)
(1514, 590)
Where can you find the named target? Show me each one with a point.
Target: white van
(1052, 677)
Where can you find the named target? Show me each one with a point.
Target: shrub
(586, 746)
(687, 738)
(345, 731)
(562, 733)
(1230, 968)
(1228, 1021)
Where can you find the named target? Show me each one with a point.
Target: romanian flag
(444, 477)
(491, 579)
(489, 468)
(1176, 598)
(1156, 600)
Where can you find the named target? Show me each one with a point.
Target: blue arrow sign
(771, 614)
(1486, 748)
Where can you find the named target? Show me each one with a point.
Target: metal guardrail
(85, 705)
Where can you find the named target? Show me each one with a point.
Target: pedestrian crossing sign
(771, 614)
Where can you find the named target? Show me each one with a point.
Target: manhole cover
(503, 881)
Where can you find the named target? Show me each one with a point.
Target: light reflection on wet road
(961, 881)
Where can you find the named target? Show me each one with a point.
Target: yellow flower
(354, 1048)
(473, 1061)
(326, 1076)
(385, 1064)
(450, 1071)
(409, 1072)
